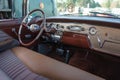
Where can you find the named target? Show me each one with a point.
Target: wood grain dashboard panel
(75, 39)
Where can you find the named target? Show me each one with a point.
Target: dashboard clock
(92, 30)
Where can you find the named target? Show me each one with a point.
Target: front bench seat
(50, 68)
(15, 69)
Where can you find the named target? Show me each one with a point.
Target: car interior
(36, 47)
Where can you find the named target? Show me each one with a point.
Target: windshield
(98, 8)
(101, 8)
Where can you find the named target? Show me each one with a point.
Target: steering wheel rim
(42, 25)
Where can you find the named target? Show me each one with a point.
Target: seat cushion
(3, 76)
(53, 69)
(15, 69)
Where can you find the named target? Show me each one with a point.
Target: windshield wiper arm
(103, 14)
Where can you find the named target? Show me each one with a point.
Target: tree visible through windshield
(106, 8)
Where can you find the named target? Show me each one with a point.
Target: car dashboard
(96, 37)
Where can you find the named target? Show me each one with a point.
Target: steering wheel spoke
(24, 24)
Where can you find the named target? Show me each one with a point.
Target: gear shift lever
(67, 56)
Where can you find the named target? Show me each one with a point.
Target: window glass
(17, 8)
(5, 9)
(101, 8)
(48, 6)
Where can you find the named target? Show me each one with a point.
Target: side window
(48, 6)
(10, 8)
(17, 8)
(5, 9)
(13, 8)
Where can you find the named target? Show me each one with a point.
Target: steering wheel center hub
(34, 28)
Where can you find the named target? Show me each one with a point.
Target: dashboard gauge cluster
(59, 31)
(66, 27)
(92, 30)
(59, 27)
(55, 26)
(75, 28)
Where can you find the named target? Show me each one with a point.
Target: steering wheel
(32, 27)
